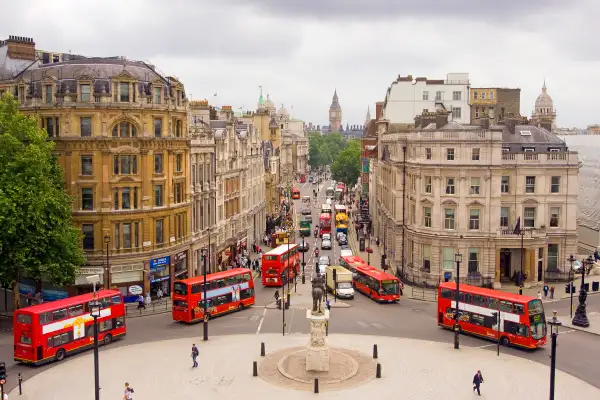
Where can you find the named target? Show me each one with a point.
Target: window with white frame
(504, 217)
(456, 113)
(475, 186)
(425, 95)
(450, 154)
(427, 217)
(428, 184)
(449, 218)
(474, 216)
(530, 184)
(450, 186)
(456, 95)
(475, 154)
(552, 256)
(426, 256)
(555, 184)
(448, 258)
(554, 216)
(438, 96)
(529, 217)
(473, 261)
(505, 184)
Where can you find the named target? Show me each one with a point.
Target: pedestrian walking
(552, 292)
(148, 299)
(128, 394)
(477, 381)
(546, 291)
(195, 353)
(141, 302)
(159, 294)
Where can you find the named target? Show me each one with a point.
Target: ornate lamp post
(522, 233)
(458, 260)
(107, 269)
(94, 307)
(571, 277)
(554, 325)
(581, 318)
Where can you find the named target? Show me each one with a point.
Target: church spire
(368, 118)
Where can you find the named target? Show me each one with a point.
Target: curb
(339, 304)
(579, 329)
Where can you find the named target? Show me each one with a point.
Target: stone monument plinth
(317, 355)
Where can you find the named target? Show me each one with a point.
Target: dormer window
(85, 93)
(505, 149)
(528, 149)
(525, 133)
(156, 95)
(48, 94)
(124, 92)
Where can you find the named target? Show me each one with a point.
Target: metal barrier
(424, 294)
(155, 307)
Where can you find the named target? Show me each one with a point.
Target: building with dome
(544, 114)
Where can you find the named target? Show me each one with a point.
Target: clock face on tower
(332, 114)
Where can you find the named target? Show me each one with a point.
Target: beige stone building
(469, 189)
(121, 137)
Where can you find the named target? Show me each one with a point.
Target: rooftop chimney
(21, 48)
(378, 109)
(417, 121)
(511, 121)
(427, 118)
(441, 118)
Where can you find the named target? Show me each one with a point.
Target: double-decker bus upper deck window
(239, 278)
(59, 314)
(230, 280)
(24, 319)
(535, 307)
(180, 288)
(492, 303)
(519, 309)
(45, 318)
(116, 299)
(447, 293)
(246, 277)
(506, 306)
(197, 288)
(221, 283)
(76, 310)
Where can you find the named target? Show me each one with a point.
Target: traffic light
(2, 371)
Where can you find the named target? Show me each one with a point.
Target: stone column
(317, 355)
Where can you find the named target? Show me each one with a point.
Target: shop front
(180, 265)
(128, 279)
(83, 281)
(159, 275)
(225, 257)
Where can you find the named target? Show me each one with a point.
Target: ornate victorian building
(504, 196)
(544, 114)
(121, 136)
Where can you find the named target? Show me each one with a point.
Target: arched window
(124, 129)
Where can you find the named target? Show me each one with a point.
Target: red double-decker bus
(53, 330)
(377, 285)
(324, 224)
(280, 264)
(522, 319)
(295, 193)
(226, 291)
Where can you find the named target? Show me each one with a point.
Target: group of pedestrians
(143, 302)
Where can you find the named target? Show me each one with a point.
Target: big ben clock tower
(335, 114)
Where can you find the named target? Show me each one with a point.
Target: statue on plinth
(318, 292)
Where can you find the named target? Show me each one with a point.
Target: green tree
(37, 238)
(323, 149)
(346, 167)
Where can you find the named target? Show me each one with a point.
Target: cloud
(393, 9)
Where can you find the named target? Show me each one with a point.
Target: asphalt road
(578, 352)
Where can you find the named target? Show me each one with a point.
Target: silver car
(326, 245)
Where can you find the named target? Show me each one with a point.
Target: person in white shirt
(159, 294)
(128, 394)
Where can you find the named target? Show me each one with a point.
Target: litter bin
(361, 244)
(568, 288)
(586, 287)
(595, 286)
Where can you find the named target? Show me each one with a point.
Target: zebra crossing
(371, 325)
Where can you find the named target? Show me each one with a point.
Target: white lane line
(569, 331)
(486, 345)
(261, 321)
(363, 324)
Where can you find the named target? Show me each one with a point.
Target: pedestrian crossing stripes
(376, 325)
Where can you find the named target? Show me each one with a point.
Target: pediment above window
(84, 79)
(475, 203)
(124, 76)
(530, 200)
(450, 202)
(126, 150)
(427, 200)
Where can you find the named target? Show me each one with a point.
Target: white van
(346, 253)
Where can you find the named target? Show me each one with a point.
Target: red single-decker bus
(280, 265)
(377, 285)
(522, 319)
(53, 330)
(226, 291)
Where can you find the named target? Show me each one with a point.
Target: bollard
(316, 385)
(262, 349)
(254, 368)
(378, 371)
(375, 351)
(20, 381)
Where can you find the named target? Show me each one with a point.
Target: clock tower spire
(335, 113)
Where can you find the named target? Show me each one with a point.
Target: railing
(155, 307)
(557, 158)
(424, 294)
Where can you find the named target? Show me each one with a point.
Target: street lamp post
(554, 325)
(522, 233)
(107, 269)
(458, 260)
(571, 276)
(94, 307)
(303, 263)
(205, 265)
(581, 318)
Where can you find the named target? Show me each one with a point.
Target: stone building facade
(121, 136)
(473, 189)
(494, 104)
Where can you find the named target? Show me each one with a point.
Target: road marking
(261, 321)
(569, 331)
(486, 345)
(378, 325)
(363, 324)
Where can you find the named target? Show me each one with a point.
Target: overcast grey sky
(301, 50)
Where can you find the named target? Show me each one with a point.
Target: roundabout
(411, 369)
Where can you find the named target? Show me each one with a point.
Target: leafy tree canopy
(346, 167)
(37, 238)
(323, 149)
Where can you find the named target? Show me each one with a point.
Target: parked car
(326, 245)
(303, 247)
(324, 260)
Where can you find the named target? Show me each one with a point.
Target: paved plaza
(412, 369)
